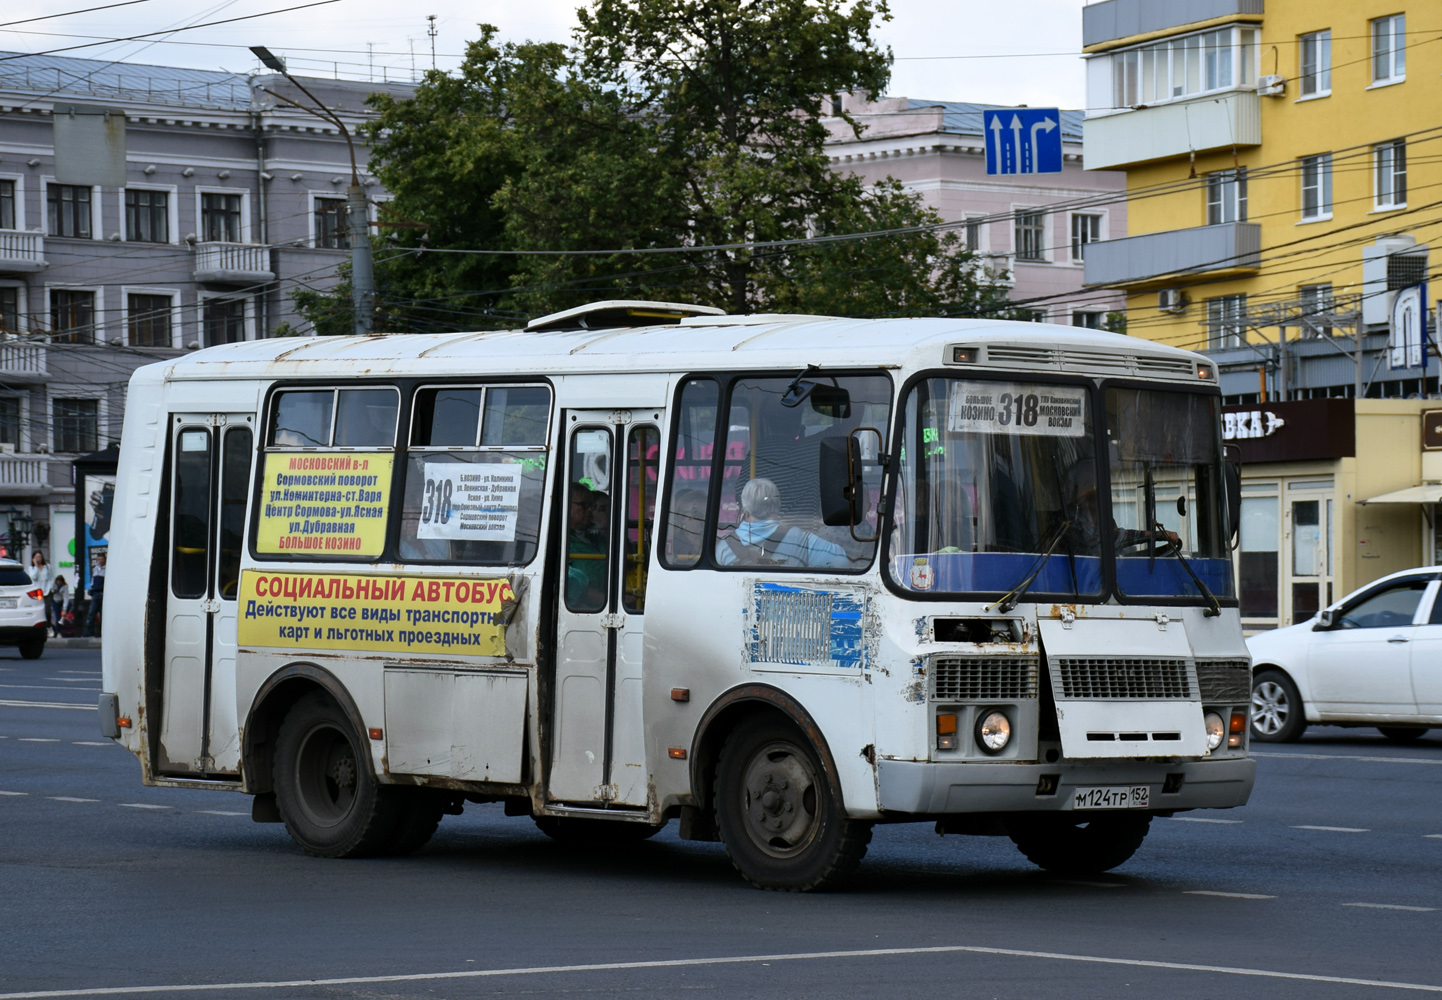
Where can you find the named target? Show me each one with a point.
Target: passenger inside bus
(763, 539)
(1085, 516)
(586, 549)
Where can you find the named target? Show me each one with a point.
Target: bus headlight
(993, 732)
(1216, 730)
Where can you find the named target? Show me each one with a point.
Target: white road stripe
(1394, 906)
(1433, 836)
(1227, 895)
(69, 798)
(221, 812)
(37, 739)
(43, 687)
(682, 963)
(72, 680)
(45, 704)
(91, 743)
(141, 805)
(14, 793)
(1345, 756)
(1333, 829)
(1203, 819)
(92, 673)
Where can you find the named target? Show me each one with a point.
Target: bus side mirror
(1233, 474)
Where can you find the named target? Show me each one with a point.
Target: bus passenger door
(211, 458)
(598, 743)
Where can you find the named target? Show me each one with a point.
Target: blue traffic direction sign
(1023, 141)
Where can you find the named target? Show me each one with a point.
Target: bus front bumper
(933, 789)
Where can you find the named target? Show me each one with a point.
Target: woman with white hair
(763, 539)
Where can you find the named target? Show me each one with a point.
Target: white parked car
(22, 611)
(1374, 658)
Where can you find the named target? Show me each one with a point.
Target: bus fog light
(1216, 730)
(993, 732)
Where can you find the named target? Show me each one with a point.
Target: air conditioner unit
(1271, 85)
(1172, 300)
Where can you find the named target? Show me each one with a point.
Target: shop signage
(1294, 431)
(1432, 430)
(1253, 424)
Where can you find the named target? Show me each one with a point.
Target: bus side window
(689, 478)
(191, 525)
(643, 455)
(235, 455)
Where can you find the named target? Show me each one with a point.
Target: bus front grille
(976, 678)
(1109, 678)
(1225, 681)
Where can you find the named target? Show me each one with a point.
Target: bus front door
(598, 753)
(210, 463)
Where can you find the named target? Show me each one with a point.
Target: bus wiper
(1010, 599)
(1175, 547)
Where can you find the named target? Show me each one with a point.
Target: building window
(973, 235)
(1088, 320)
(1390, 161)
(220, 218)
(77, 425)
(1031, 236)
(150, 317)
(147, 216)
(68, 206)
(1174, 69)
(1224, 321)
(1317, 186)
(9, 309)
(1389, 49)
(224, 321)
(10, 421)
(1084, 229)
(1033, 315)
(1316, 70)
(330, 224)
(1227, 197)
(72, 316)
(1317, 303)
(7, 204)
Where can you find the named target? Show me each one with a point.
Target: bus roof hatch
(620, 313)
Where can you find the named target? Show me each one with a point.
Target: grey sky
(926, 36)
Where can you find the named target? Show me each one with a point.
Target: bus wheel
(420, 811)
(332, 804)
(579, 832)
(1072, 844)
(779, 815)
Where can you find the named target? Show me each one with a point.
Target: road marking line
(93, 673)
(1344, 756)
(141, 805)
(69, 798)
(42, 687)
(14, 793)
(90, 743)
(681, 963)
(45, 704)
(1202, 819)
(221, 812)
(1333, 829)
(1394, 906)
(1094, 885)
(71, 680)
(1433, 836)
(36, 739)
(1228, 895)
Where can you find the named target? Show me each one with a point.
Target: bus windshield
(997, 479)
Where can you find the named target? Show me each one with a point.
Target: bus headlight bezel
(993, 731)
(1216, 730)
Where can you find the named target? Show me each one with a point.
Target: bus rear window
(339, 418)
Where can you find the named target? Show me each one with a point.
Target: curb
(77, 643)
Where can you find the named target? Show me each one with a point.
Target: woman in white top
(42, 574)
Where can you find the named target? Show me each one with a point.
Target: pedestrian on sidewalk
(59, 600)
(42, 574)
(93, 623)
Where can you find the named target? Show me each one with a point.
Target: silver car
(22, 611)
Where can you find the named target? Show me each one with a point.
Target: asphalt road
(1326, 886)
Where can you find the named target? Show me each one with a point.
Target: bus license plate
(7, 602)
(1112, 797)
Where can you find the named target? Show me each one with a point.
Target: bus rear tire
(779, 813)
(420, 811)
(580, 832)
(331, 803)
(1070, 844)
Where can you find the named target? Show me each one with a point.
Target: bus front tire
(779, 814)
(1071, 844)
(575, 831)
(331, 803)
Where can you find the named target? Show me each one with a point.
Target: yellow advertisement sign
(387, 613)
(324, 504)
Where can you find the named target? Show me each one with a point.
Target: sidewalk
(77, 643)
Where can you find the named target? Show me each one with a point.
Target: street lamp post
(357, 217)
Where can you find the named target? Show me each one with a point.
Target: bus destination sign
(324, 504)
(1012, 408)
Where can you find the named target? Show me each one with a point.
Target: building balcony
(21, 253)
(1214, 121)
(22, 360)
(233, 263)
(1114, 19)
(1157, 259)
(21, 475)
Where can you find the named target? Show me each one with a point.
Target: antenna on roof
(431, 30)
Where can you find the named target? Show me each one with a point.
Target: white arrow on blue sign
(1023, 141)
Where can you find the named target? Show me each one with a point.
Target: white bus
(779, 578)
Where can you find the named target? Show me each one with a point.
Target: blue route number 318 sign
(1023, 141)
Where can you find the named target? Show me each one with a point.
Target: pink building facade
(1032, 227)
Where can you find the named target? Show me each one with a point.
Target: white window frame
(1101, 315)
(983, 234)
(19, 181)
(1235, 181)
(319, 196)
(1047, 233)
(1320, 78)
(177, 311)
(102, 416)
(1384, 164)
(24, 444)
(204, 297)
(1102, 232)
(244, 210)
(22, 299)
(1320, 182)
(172, 213)
(1120, 81)
(1220, 315)
(65, 286)
(96, 215)
(1392, 28)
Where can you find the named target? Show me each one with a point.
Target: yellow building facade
(1284, 178)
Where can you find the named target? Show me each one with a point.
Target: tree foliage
(668, 123)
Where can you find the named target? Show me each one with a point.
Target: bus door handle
(613, 621)
(210, 606)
